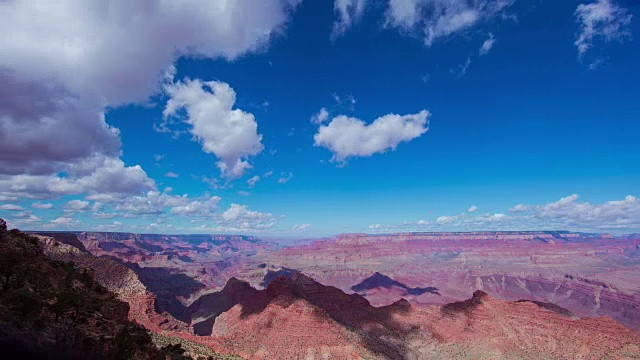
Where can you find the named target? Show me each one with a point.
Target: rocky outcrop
(351, 301)
(582, 297)
(118, 279)
(296, 317)
(56, 309)
(590, 275)
(495, 328)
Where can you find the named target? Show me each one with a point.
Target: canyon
(394, 296)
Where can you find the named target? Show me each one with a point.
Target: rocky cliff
(56, 309)
(296, 317)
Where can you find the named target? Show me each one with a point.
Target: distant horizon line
(479, 232)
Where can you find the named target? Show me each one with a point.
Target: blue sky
(544, 112)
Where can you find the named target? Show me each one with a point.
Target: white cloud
(203, 207)
(603, 20)
(75, 41)
(26, 217)
(50, 128)
(519, 208)
(619, 214)
(253, 181)
(41, 206)
(347, 137)
(243, 193)
(347, 13)
(103, 215)
(403, 13)
(437, 19)
(285, 178)
(63, 222)
(77, 206)
(445, 219)
(301, 227)
(157, 203)
(171, 174)
(11, 207)
(565, 214)
(93, 175)
(230, 134)
(241, 218)
(320, 117)
(487, 45)
(64, 63)
(472, 209)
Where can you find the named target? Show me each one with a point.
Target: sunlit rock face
(588, 274)
(397, 296)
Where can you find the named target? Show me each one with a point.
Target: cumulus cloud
(567, 213)
(320, 117)
(158, 203)
(230, 134)
(241, 218)
(64, 63)
(301, 227)
(76, 206)
(603, 20)
(75, 41)
(171, 174)
(519, 208)
(236, 219)
(618, 214)
(347, 13)
(26, 217)
(41, 206)
(348, 137)
(472, 209)
(200, 207)
(167, 211)
(44, 128)
(11, 207)
(487, 45)
(437, 19)
(63, 222)
(93, 175)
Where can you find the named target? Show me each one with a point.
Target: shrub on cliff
(55, 307)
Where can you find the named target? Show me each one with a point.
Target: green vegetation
(56, 307)
(198, 351)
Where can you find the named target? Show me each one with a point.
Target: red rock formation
(296, 318)
(591, 275)
(561, 272)
(120, 280)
